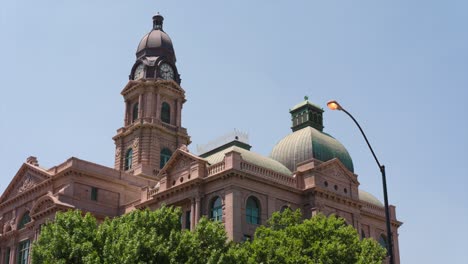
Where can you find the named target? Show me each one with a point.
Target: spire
(158, 22)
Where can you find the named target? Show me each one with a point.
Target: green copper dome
(248, 156)
(369, 198)
(309, 143)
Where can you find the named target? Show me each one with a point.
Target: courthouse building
(307, 169)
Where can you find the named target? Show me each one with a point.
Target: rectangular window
(7, 256)
(94, 193)
(187, 220)
(23, 252)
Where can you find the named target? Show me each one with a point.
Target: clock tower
(153, 98)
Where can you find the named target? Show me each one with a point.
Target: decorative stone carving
(181, 164)
(117, 152)
(136, 143)
(27, 183)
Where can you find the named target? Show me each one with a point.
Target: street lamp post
(333, 105)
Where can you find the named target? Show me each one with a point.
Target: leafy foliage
(145, 236)
(287, 239)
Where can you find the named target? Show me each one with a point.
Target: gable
(181, 163)
(25, 179)
(334, 169)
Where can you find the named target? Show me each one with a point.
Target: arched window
(253, 211)
(135, 112)
(383, 241)
(164, 157)
(24, 220)
(284, 208)
(216, 213)
(166, 113)
(128, 159)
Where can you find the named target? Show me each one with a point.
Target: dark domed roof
(310, 143)
(156, 42)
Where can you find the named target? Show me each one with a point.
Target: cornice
(334, 197)
(133, 85)
(29, 192)
(160, 126)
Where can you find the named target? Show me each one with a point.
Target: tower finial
(158, 22)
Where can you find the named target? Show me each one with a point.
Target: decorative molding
(136, 143)
(27, 183)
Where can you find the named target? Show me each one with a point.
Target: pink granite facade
(153, 166)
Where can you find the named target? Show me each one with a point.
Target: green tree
(71, 238)
(142, 236)
(287, 239)
(145, 236)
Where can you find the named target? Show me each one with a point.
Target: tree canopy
(145, 236)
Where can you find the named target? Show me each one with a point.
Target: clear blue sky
(401, 68)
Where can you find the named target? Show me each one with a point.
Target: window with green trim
(23, 252)
(24, 220)
(7, 256)
(252, 211)
(135, 112)
(383, 241)
(165, 155)
(128, 159)
(94, 193)
(216, 209)
(188, 215)
(166, 113)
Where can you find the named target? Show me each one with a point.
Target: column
(157, 106)
(197, 209)
(192, 214)
(126, 114)
(140, 106)
(233, 215)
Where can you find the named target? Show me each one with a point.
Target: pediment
(180, 161)
(336, 170)
(27, 177)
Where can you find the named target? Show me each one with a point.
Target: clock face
(167, 73)
(139, 72)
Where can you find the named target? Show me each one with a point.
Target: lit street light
(334, 105)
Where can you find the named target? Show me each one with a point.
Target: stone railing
(373, 209)
(268, 174)
(216, 168)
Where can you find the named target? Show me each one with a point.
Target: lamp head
(334, 105)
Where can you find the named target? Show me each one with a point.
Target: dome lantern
(308, 141)
(306, 114)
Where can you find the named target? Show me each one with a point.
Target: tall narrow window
(164, 157)
(216, 213)
(7, 256)
(23, 252)
(128, 159)
(24, 220)
(383, 241)
(94, 193)
(187, 220)
(166, 113)
(253, 211)
(135, 112)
